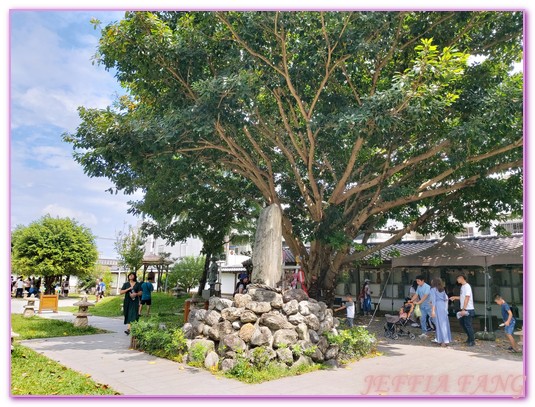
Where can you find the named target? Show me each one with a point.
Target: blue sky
(52, 74)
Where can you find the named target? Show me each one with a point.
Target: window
(513, 227)
(468, 232)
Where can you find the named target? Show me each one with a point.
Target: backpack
(362, 294)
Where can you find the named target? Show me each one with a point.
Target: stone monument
(267, 252)
(82, 314)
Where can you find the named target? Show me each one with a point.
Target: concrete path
(403, 369)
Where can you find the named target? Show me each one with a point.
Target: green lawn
(165, 308)
(34, 374)
(37, 327)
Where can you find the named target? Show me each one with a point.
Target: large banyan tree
(349, 120)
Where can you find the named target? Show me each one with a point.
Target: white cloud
(56, 210)
(52, 77)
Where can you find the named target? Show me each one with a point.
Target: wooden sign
(48, 303)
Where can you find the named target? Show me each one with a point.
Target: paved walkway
(404, 369)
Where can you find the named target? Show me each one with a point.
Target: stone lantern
(82, 314)
(29, 308)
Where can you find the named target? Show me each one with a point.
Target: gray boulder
(241, 300)
(302, 332)
(212, 317)
(303, 361)
(291, 307)
(259, 307)
(232, 342)
(248, 316)
(323, 344)
(285, 356)
(231, 313)
(189, 331)
(312, 322)
(284, 336)
(246, 332)
(294, 294)
(332, 352)
(314, 337)
(296, 319)
(200, 314)
(262, 295)
(262, 336)
(304, 308)
(317, 356)
(211, 360)
(331, 364)
(227, 364)
(236, 325)
(275, 321)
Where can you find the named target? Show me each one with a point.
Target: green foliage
(354, 343)
(153, 338)
(130, 249)
(197, 353)
(34, 374)
(261, 369)
(260, 357)
(347, 119)
(187, 272)
(36, 327)
(53, 247)
(165, 308)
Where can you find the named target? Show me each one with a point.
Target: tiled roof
(490, 245)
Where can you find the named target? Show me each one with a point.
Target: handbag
(417, 310)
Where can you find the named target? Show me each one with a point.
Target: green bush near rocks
(158, 340)
(354, 343)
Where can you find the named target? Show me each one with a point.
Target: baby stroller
(398, 325)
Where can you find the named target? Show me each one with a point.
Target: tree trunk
(325, 264)
(204, 277)
(49, 284)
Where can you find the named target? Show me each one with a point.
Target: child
(509, 322)
(406, 311)
(349, 306)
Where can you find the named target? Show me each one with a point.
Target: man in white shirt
(467, 312)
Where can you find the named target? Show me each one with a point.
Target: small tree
(130, 249)
(187, 273)
(53, 247)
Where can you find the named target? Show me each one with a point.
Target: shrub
(354, 343)
(197, 353)
(158, 341)
(260, 357)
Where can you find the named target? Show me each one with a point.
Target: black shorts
(146, 302)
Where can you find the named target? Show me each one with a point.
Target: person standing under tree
(421, 298)
(132, 291)
(146, 293)
(349, 306)
(366, 298)
(467, 312)
(439, 311)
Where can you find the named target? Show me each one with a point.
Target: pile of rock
(262, 318)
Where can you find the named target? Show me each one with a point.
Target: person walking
(509, 322)
(439, 312)
(100, 288)
(421, 298)
(132, 291)
(467, 312)
(146, 293)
